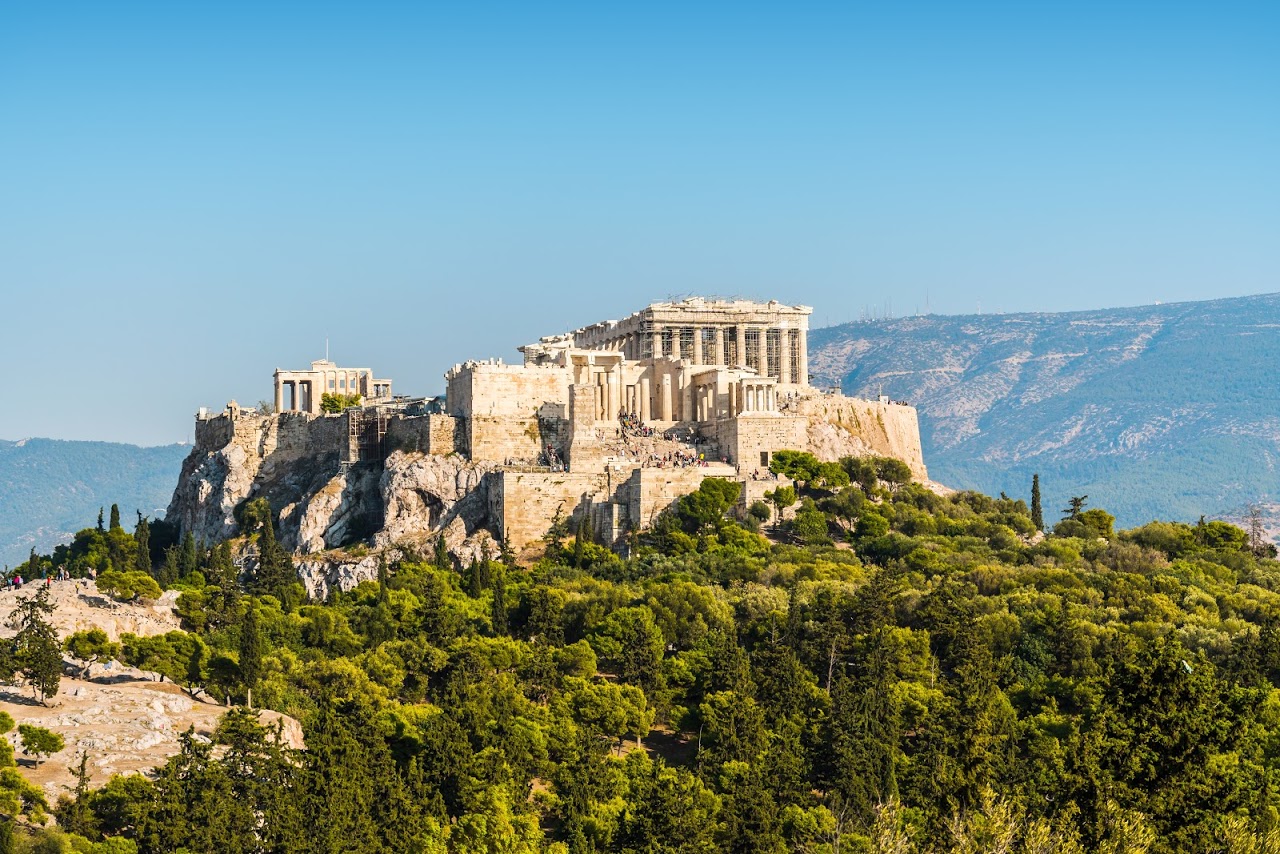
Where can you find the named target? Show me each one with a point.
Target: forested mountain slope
(1164, 411)
(48, 488)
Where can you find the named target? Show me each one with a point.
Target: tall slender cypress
(1037, 513)
(142, 533)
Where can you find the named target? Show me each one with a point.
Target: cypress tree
(189, 558)
(115, 517)
(142, 533)
(441, 558)
(1037, 513)
(382, 581)
(102, 528)
(498, 610)
(171, 570)
(275, 567)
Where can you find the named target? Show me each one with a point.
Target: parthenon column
(802, 370)
(657, 344)
(741, 360)
(719, 357)
(675, 343)
(697, 345)
(762, 352)
(279, 394)
(784, 355)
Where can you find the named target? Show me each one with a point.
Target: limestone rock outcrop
(422, 492)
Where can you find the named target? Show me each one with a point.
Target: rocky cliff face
(322, 502)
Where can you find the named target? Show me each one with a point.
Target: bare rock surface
(123, 720)
(79, 606)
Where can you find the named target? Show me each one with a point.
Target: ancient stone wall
(425, 434)
(526, 502)
(746, 437)
(650, 491)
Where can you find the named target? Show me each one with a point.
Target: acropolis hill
(610, 423)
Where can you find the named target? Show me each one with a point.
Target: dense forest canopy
(857, 665)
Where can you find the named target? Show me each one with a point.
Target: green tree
(1037, 514)
(36, 651)
(38, 741)
(1075, 506)
(498, 605)
(126, 586)
(115, 518)
(251, 649)
(91, 647)
(781, 498)
(332, 403)
(440, 558)
(142, 536)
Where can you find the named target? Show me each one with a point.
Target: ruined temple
(609, 423)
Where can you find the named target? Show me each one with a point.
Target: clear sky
(192, 195)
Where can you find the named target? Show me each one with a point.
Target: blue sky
(191, 197)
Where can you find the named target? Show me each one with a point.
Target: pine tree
(102, 527)
(37, 653)
(250, 649)
(115, 517)
(1037, 513)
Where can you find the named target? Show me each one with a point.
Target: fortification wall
(425, 434)
(650, 491)
(526, 502)
(844, 426)
(505, 390)
(748, 436)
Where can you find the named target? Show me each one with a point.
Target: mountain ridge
(51, 486)
(1160, 410)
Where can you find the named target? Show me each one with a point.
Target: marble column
(279, 395)
(741, 360)
(802, 371)
(697, 345)
(646, 399)
(719, 357)
(762, 353)
(784, 353)
(675, 343)
(657, 344)
(666, 399)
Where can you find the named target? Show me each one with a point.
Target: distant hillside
(1165, 411)
(51, 489)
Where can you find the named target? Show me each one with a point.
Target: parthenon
(770, 338)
